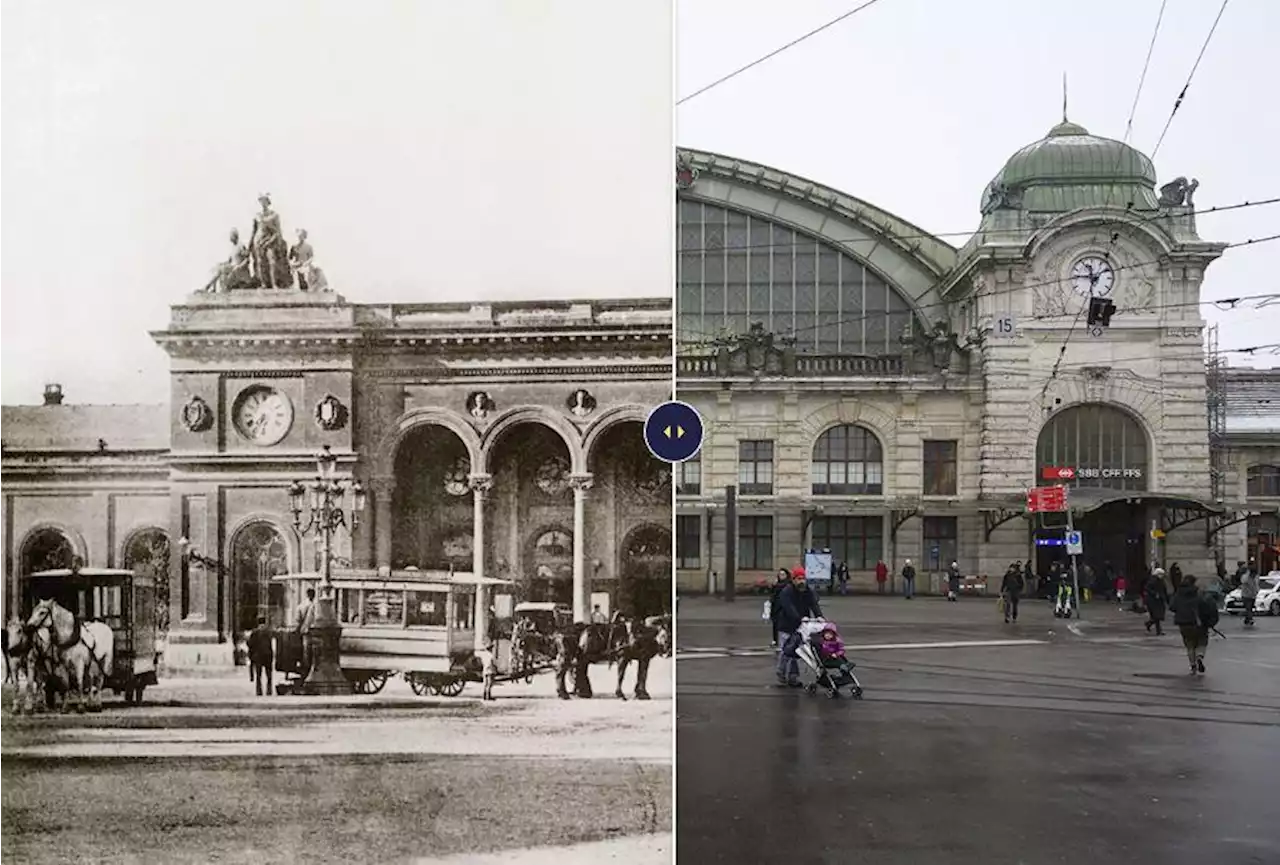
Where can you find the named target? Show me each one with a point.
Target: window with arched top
(1093, 445)
(258, 553)
(848, 460)
(46, 550)
(1263, 482)
(147, 553)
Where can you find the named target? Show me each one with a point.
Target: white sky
(914, 105)
(432, 150)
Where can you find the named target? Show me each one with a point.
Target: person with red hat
(796, 603)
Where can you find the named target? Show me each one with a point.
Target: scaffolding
(1215, 381)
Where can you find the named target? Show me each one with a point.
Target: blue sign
(1050, 542)
(673, 431)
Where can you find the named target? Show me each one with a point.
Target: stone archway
(644, 584)
(432, 514)
(259, 551)
(46, 549)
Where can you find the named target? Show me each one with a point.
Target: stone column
(480, 486)
(581, 598)
(383, 494)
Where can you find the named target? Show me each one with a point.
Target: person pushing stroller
(796, 603)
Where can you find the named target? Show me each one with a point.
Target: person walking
(1156, 594)
(796, 603)
(908, 580)
(842, 576)
(882, 576)
(1194, 614)
(1175, 575)
(1012, 587)
(775, 593)
(1249, 594)
(262, 656)
(953, 581)
(1028, 577)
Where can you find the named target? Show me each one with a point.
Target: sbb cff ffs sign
(1057, 473)
(1046, 499)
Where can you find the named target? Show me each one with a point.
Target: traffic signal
(1100, 312)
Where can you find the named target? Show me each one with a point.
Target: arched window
(47, 550)
(147, 553)
(552, 571)
(735, 269)
(1093, 445)
(1263, 482)
(848, 461)
(258, 553)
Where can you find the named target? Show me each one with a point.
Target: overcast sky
(433, 151)
(914, 105)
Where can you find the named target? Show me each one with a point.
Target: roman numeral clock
(262, 415)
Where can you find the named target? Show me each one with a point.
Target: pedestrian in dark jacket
(1011, 587)
(261, 656)
(1175, 575)
(1194, 614)
(796, 602)
(953, 581)
(775, 591)
(908, 580)
(1156, 595)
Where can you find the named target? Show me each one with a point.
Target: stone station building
(873, 390)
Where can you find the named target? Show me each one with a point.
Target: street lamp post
(324, 499)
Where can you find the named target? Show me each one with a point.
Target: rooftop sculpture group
(266, 261)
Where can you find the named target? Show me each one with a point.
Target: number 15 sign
(1005, 326)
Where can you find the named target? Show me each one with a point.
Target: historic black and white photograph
(978, 560)
(331, 332)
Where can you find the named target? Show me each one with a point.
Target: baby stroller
(830, 674)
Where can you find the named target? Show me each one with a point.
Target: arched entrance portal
(433, 518)
(1100, 452)
(46, 550)
(258, 553)
(631, 536)
(644, 588)
(147, 553)
(529, 532)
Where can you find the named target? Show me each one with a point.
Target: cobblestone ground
(207, 772)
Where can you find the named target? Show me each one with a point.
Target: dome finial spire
(1064, 96)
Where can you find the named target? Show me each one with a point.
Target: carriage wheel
(372, 684)
(452, 687)
(419, 686)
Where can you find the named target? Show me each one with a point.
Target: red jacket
(882, 572)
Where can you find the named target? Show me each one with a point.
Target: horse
(32, 667)
(666, 641)
(641, 642)
(578, 646)
(528, 648)
(82, 651)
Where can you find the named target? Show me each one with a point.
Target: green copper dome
(1070, 169)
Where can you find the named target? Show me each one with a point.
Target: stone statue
(937, 346)
(270, 252)
(233, 273)
(302, 262)
(1179, 193)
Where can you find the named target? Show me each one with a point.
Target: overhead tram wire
(1115, 233)
(775, 52)
(835, 242)
(1182, 94)
(1023, 286)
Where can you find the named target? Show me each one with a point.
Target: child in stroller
(822, 651)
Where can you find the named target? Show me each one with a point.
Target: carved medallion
(479, 405)
(196, 415)
(331, 414)
(686, 174)
(581, 403)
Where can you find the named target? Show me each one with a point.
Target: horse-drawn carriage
(533, 631)
(122, 600)
(418, 624)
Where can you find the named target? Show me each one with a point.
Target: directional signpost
(1054, 500)
(1075, 544)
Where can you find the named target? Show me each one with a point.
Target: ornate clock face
(1092, 275)
(455, 477)
(263, 415)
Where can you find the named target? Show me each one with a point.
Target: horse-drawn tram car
(123, 600)
(418, 624)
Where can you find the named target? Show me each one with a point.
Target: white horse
(83, 652)
(31, 667)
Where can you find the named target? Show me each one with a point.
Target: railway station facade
(872, 390)
(502, 439)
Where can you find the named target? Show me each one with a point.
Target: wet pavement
(978, 742)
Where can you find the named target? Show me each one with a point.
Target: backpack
(1207, 612)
